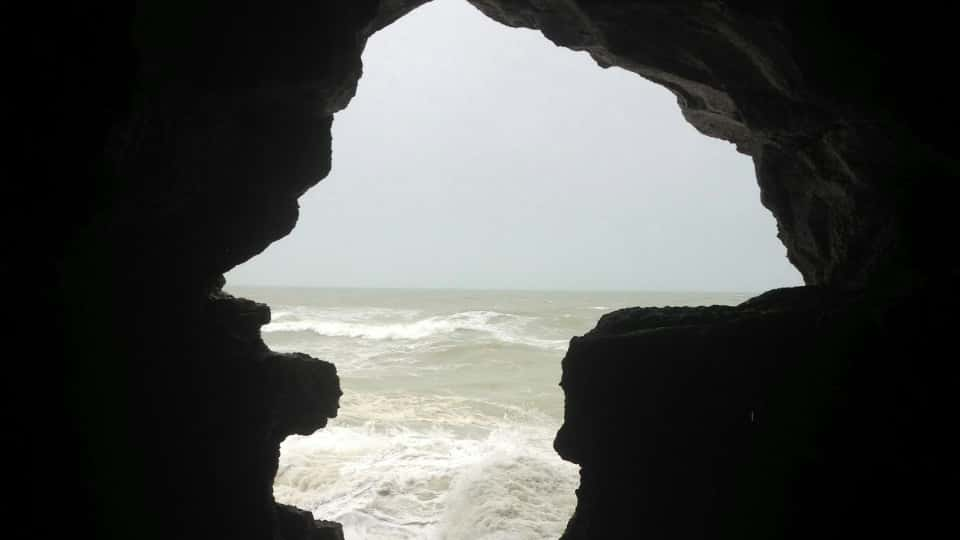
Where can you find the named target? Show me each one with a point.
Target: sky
(484, 157)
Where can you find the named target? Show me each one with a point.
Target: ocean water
(451, 402)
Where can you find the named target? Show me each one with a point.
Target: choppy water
(449, 411)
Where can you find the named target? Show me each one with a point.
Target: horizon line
(515, 289)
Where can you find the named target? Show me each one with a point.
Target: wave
(503, 327)
(288, 313)
(279, 314)
(428, 480)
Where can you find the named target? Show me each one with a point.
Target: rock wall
(158, 144)
(805, 412)
(161, 144)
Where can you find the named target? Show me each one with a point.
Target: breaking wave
(422, 475)
(504, 327)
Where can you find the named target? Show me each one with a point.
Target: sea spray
(432, 467)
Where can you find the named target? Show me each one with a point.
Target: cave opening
(446, 294)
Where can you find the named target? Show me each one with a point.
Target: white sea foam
(503, 327)
(287, 313)
(432, 468)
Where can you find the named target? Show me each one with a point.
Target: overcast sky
(480, 156)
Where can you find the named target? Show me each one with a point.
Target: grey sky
(480, 156)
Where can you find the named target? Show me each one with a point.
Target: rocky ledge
(298, 392)
(802, 413)
(296, 524)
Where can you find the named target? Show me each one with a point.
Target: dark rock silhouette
(158, 144)
(793, 415)
(296, 524)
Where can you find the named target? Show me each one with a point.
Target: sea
(450, 406)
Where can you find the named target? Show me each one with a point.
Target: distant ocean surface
(451, 402)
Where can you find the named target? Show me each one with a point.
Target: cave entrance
(491, 196)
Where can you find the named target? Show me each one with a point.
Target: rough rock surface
(296, 524)
(797, 414)
(157, 144)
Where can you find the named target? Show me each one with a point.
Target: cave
(158, 145)
(445, 277)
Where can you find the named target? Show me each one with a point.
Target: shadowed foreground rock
(802, 413)
(296, 524)
(256, 400)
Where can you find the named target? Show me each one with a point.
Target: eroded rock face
(296, 524)
(163, 143)
(797, 414)
(166, 142)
